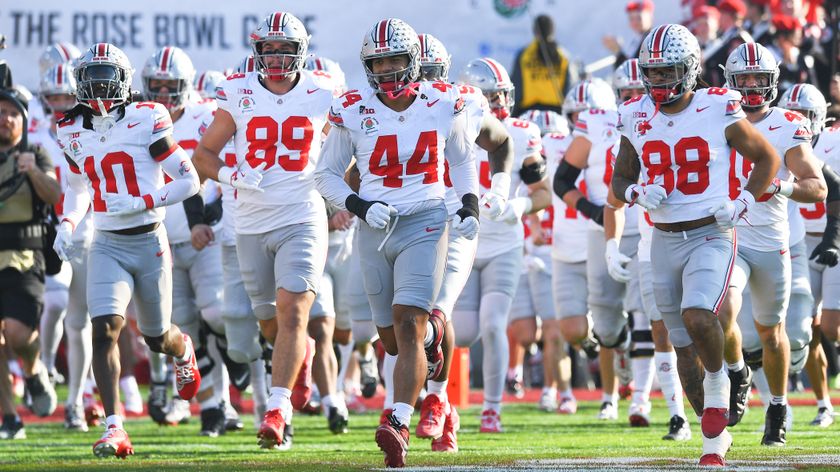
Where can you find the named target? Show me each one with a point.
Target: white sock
(258, 387)
(669, 382)
(280, 398)
(129, 384)
(567, 394)
(346, 353)
(388, 365)
(825, 403)
(642, 378)
(326, 403)
(778, 400)
(79, 355)
(760, 382)
(402, 412)
(716, 389)
(516, 372)
(430, 334)
(437, 388)
(736, 367)
(187, 351)
(551, 391)
(114, 420)
(609, 397)
(493, 406)
(493, 320)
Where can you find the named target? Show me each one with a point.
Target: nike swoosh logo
(195, 117)
(711, 238)
(132, 125)
(829, 150)
(164, 196)
(160, 253)
(311, 91)
(241, 379)
(431, 230)
(774, 128)
(699, 109)
(792, 257)
(431, 104)
(783, 251)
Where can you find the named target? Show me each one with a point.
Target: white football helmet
(628, 76)
(493, 80)
(169, 63)
(590, 93)
(548, 121)
(753, 58)
(58, 80)
(57, 53)
(279, 26)
(206, 82)
(103, 78)
(675, 47)
(434, 60)
(808, 100)
(247, 65)
(391, 37)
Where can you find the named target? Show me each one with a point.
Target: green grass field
(533, 441)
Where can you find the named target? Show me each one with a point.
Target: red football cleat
(392, 439)
(383, 417)
(714, 421)
(712, 460)
(432, 418)
(93, 410)
(302, 390)
(491, 422)
(271, 430)
(114, 443)
(187, 376)
(448, 442)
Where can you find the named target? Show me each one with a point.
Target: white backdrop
(214, 34)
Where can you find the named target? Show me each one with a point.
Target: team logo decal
(76, 147)
(511, 8)
(246, 104)
(184, 168)
(370, 125)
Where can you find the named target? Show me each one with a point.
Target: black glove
(827, 251)
(592, 211)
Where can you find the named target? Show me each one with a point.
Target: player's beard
(6, 137)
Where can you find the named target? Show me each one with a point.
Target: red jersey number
(262, 135)
(690, 157)
(107, 167)
(392, 170)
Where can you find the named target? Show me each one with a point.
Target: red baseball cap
(639, 5)
(786, 23)
(732, 6)
(705, 10)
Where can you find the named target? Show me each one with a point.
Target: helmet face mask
(493, 80)
(808, 100)
(279, 45)
(665, 84)
(167, 78)
(171, 93)
(391, 73)
(434, 59)
(103, 78)
(757, 94)
(501, 102)
(432, 72)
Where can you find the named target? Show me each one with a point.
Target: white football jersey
(475, 107)
(498, 237)
(400, 155)
(45, 138)
(186, 133)
(599, 128)
(119, 161)
(686, 153)
(569, 226)
(827, 149)
(284, 133)
(766, 227)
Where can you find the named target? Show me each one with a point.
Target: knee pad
(754, 359)
(363, 331)
(243, 339)
(614, 339)
(798, 357)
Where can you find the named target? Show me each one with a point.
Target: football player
(116, 150)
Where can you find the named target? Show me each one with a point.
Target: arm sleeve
(458, 152)
(76, 198)
(336, 155)
(184, 182)
(194, 209)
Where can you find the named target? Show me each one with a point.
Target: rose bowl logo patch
(370, 125)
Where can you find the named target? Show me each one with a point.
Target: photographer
(27, 187)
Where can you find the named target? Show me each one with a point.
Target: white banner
(215, 34)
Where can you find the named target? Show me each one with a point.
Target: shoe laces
(435, 406)
(184, 374)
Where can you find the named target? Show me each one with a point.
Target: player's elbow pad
(532, 173)
(832, 181)
(565, 178)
